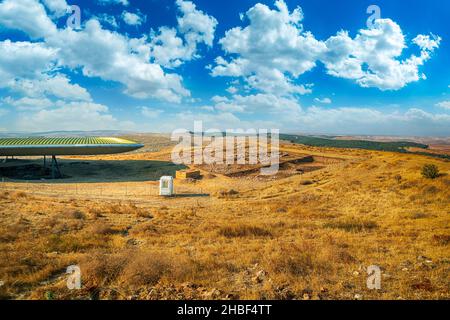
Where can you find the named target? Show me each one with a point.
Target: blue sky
(298, 66)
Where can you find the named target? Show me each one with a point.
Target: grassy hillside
(308, 236)
(398, 146)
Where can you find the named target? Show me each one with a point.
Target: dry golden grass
(307, 236)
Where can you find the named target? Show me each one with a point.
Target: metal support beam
(56, 173)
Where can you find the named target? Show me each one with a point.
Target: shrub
(101, 228)
(147, 268)
(94, 213)
(352, 225)
(19, 195)
(74, 214)
(228, 194)
(4, 195)
(430, 171)
(442, 239)
(102, 269)
(296, 260)
(238, 231)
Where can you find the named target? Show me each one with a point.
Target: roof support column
(56, 173)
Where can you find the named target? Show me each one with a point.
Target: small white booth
(166, 186)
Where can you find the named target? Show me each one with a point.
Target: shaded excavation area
(83, 170)
(49, 148)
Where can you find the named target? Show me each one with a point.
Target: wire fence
(93, 190)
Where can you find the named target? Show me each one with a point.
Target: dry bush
(302, 212)
(4, 195)
(142, 213)
(409, 184)
(65, 243)
(101, 269)
(430, 190)
(12, 232)
(74, 214)
(4, 295)
(147, 228)
(19, 195)
(134, 269)
(308, 197)
(149, 267)
(296, 260)
(306, 182)
(120, 208)
(446, 182)
(341, 255)
(228, 194)
(8, 236)
(101, 228)
(94, 213)
(418, 215)
(352, 225)
(58, 224)
(441, 239)
(237, 231)
(128, 209)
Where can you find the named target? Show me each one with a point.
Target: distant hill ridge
(393, 146)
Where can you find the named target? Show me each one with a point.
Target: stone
(260, 276)
(213, 294)
(358, 296)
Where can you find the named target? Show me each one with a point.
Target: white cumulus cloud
(111, 56)
(58, 86)
(58, 7)
(28, 16)
(27, 103)
(274, 50)
(71, 116)
(24, 60)
(271, 52)
(108, 2)
(133, 19)
(323, 101)
(373, 57)
(172, 47)
(444, 104)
